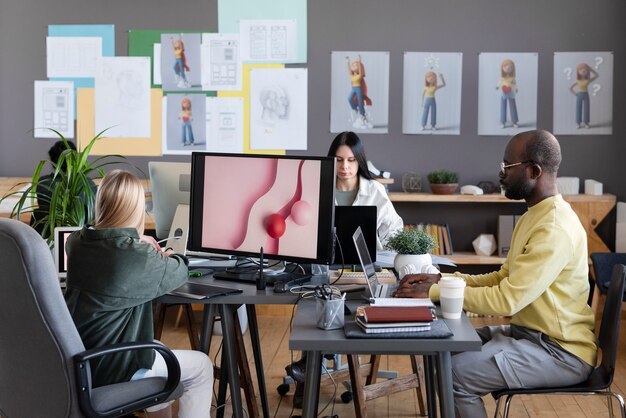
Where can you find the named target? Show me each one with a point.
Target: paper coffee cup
(451, 290)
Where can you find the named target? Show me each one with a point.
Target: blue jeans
(582, 107)
(356, 91)
(179, 68)
(429, 104)
(187, 127)
(510, 97)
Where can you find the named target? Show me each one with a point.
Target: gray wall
(470, 27)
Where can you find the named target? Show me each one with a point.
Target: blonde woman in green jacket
(114, 272)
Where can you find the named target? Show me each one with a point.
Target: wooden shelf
(459, 198)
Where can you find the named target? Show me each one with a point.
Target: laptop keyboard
(386, 290)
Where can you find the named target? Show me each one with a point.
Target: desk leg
(431, 386)
(258, 358)
(312, 384)
(230, 348)
(444, 380)
(208, 319)
(221, 393)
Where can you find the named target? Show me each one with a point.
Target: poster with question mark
(583, 93)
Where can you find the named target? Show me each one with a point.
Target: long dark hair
(352, 140)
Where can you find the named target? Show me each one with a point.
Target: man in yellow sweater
(543, 285)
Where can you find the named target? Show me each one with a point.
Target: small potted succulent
(443, 181)
(413, 246)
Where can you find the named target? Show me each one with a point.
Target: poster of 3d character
(184, 123)
(583, 93)
(507, 92)
(359, 99)
(432, 93)
(181, 62)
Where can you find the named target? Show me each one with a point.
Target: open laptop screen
(366, 261)
(60, 239)
(347, 219)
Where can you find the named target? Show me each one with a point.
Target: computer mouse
(280, 286)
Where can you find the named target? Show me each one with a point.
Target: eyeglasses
(503, 166)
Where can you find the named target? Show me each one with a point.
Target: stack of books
(386, 319)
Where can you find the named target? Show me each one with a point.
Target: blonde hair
(430, 74)
(583, 66)
(503, 73)
(121, 202)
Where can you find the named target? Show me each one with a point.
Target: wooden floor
(274, 333)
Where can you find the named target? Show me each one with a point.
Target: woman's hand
(151, 241)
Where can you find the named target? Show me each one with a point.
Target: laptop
(376, 289)
(347, 220)
(61, 233)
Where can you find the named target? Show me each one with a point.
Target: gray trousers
(512, 357)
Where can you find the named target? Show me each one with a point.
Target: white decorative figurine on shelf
(485, 245)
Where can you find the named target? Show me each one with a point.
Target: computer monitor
(170, 184)
(61, 233)
(347, 220)
(242, 202)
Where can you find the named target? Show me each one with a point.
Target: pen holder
(329, 313)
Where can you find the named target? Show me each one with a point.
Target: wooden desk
(9, 185)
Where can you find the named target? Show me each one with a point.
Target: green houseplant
(413, 246)
(68, 195)
(443, 181)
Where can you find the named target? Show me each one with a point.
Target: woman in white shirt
(355, 185)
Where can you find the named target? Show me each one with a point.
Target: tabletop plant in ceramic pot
(413, 246)
(443, 181)
(68, 195)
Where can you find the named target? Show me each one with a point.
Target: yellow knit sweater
(543, 284)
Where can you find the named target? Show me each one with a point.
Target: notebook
(61, 233)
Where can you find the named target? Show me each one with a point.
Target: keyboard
(270, 279)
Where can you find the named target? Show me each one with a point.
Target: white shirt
(372, 193)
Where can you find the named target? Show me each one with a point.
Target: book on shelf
(440, 234)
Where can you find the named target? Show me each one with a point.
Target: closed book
(363, 323)
(387, 330)
(397, 314)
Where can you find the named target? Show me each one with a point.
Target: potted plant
(68, 195)
(413, 246)
(443, 181)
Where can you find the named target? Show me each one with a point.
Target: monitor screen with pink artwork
(242, 202)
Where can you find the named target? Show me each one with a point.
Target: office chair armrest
(85, 390)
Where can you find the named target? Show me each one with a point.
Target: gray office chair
(600, 380)
(44, 368)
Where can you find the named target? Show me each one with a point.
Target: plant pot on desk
(420, 261)
(446, 188)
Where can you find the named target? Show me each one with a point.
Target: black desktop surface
(347, 220)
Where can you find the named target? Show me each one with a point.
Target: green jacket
(112, 279)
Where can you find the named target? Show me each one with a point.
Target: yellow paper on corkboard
(86, 125)
(245, 94)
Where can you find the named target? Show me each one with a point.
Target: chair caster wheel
(346, 397)
(282, 389)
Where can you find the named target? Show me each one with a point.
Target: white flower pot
(420, 261)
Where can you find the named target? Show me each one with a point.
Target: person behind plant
(354, 186)
(114, 272)
(428, 98)
(45, 185)
(543, 286)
